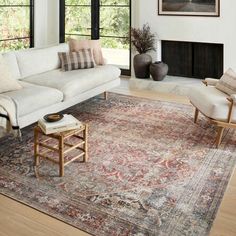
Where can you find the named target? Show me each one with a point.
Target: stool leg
(61, 156)
(86, 143)
(36, 147)
(196, 115)
(105, 95)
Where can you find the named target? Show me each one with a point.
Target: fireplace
(193, 59)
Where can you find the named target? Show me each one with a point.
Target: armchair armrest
(232, 98)
(210, 81)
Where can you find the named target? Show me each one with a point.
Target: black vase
(142, 64)
(158, 70)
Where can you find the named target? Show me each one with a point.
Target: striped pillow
(227, 82)
(82, 59)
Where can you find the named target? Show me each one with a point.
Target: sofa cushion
(211, 102)
(35, 61)
(7, 83)
(32, 97)
(95, 45)
(227, 82)
(11, 61)
(75, 82)
(82, 59)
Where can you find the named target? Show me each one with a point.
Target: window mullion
(95, 19)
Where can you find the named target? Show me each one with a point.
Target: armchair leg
(219, 136)
(105, 95)
(196, 115)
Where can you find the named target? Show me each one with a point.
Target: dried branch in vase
(143, 40)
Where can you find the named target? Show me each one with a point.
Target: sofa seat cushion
(211, 102)
(32, 97)
(73, 83)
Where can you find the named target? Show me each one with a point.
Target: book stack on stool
(62, 141)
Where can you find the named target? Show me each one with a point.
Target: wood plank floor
(225, 222)
(17, 219)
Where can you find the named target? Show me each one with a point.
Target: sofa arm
(210, 81)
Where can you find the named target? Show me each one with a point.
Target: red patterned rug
(151, 171)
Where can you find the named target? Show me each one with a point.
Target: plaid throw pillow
(227, 82)
(82, 59)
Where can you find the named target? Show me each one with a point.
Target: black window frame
(31, 23)
(95, 26)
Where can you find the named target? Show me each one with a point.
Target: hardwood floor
(17, 219)
(225, 222)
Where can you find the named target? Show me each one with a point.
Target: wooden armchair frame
(220, 124)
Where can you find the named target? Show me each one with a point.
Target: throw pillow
(82, 59)
(227, 82)
(7, 83)
(95, 45)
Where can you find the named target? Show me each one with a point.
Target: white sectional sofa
(46, 89)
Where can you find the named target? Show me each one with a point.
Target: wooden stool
(62, 147)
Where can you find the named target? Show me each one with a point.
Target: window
(78, 18)
(16, 24)
(115, 32)
(107, 20)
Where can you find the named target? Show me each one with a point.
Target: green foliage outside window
(114, 21)
(14, 24)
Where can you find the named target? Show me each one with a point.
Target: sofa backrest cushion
(36, 61)
(10, 60)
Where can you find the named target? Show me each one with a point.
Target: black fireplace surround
(193, 59)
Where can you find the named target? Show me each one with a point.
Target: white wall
(40, 23)
(184, 28)
(53, 22)
(199, 29)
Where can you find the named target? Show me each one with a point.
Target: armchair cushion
(227, 82)
(211, 102)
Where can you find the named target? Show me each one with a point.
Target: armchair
(217, 106)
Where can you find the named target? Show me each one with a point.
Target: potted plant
(143, 41)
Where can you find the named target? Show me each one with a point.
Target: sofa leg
(219, 136)
(196, 115)
(105, 95)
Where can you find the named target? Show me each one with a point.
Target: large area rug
(151, 171)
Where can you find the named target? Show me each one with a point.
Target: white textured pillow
(7, 83)
(227, 82)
